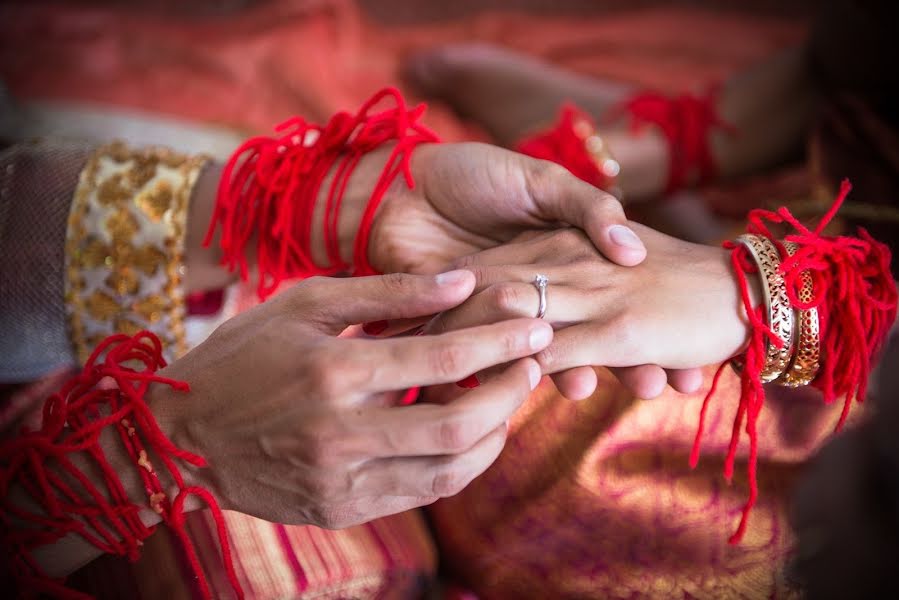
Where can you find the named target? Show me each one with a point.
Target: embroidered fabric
(37, 181)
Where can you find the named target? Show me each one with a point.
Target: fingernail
(623, 236)
(534, 375)
(469, 382)
(451, 277)
(374, 327)
(540, 337)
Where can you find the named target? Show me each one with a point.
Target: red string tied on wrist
(566, 144)
(686, 121)
(270, 186)
(40, 463)
(856, 299)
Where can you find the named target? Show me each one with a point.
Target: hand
(470, 197)
(299, 425)
(679, 309)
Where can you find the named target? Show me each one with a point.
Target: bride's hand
(680, 309)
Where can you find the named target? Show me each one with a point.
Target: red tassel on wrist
(686, 121)
(856, 299)
(568, 143)
(270, 185)
(70, 503)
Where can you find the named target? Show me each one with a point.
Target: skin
(468, 197)
(512, 94)
(679, 309)
(302, 426)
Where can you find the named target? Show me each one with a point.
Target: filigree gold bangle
(777, 305)
(806, 360)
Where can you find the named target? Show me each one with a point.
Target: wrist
(355, 199)
(737, 329)
(169, 408)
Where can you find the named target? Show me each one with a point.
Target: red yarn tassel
(566, 144)
(856, 299)
(72, 422)
(270, 185)
(686, 122)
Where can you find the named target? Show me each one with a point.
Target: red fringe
(686, 122)
(563, 145)
(270, 185)
(72, 422)
(856, 300)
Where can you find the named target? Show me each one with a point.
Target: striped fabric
(393, 557)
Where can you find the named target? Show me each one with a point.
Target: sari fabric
(596, 499)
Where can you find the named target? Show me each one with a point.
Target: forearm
(769, 108)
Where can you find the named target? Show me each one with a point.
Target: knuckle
(548, 173)
(328, 374)
(447, 481)
(506, 298)
(607, 203)
(317, 449)
(397, 284)
(448, 359)
(548, 358)
(626, 334)
(454, 436)
(464, 262)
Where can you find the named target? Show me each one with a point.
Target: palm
(468, 197)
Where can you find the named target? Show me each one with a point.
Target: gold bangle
(806, 360)
(777, 304)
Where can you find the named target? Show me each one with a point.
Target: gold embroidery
(125, 245)
(151, 307)
(113, 191)
(157, 200)
(124, 280)
(122, 226)
(101, 306)
(149, 259)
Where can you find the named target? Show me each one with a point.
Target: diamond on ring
(540, 282)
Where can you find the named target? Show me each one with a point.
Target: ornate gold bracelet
(806, 360)
(777, 304)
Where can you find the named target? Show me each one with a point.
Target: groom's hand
(470, 196)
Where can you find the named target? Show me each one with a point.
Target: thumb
(560, 196)
(335, 304)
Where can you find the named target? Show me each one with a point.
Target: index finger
(438, 429)
(400, 363)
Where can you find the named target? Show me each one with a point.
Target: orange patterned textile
(596, 499)
(392, 557)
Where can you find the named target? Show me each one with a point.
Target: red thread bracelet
(270, 185)
(72, 504)
(686, 121)
(856, 298)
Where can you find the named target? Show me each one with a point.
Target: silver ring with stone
(540, 282)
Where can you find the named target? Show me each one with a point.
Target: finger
(400, 363)
(602, 342)
(427, 476)
(576, 384)
(685, 381)
(644, 381)
(512, 300)
(368, 508)
(559, 195)
(437, 429)
(333, 304)
(568, 274)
